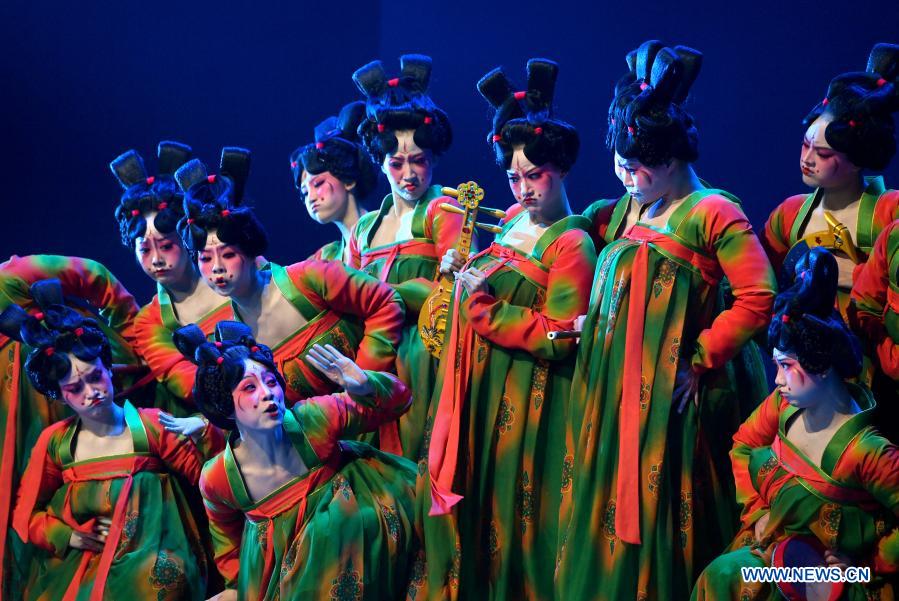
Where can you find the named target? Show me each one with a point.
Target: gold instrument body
(838, 237)
(434, 311)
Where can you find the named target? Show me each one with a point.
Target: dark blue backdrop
(83, 83)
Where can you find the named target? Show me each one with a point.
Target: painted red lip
(410, 187)
(807, 171)
(220, 282)
(528, 201)
(272, 408)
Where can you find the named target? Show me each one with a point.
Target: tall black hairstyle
(338, 150)
(215, 202)
(806, 324)
(525, 118)
(860, 105)
(399, 104)
(220, 366)
(144, 194)
(647, 120)
(52, 332)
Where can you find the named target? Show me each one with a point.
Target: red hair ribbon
(380, 128)
(538, 130)
(190, 220)
(643, 86)
(852, 123)
(150, 180)
(79, 332)
(217, 344)
(520, 95)
(210, 178)
(254, 349)
(318, 145)
(428, 120)
(785, 318)
(49, 351)
(225, 213)
(163, 205)
(630, 130)
(497, 137)
(393, 82)
(220, 360)
(135, 212)
(39, 315)
(293, 164)
(881, 82)
(825, 102)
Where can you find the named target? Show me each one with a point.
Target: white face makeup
(325, 196)
(796, 385)
(161, 256)
(409, 170)
(87, 388)
(225, 267)
(821, 165)
(537, 189)
(258, 398)
(645, 184)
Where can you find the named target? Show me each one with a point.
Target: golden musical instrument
(432, 318)
(838, 237)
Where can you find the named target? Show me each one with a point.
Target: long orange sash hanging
(627, 490)
(9, 460)
(443, 454)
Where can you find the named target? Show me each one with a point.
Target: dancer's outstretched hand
(186, 426)
(339, 369)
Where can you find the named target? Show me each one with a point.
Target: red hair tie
(150, 180)
(217, 344)
(210, 179)
(293, 164)
(538, 130)
(190, 220)
(643, 86)
(881, 82)
(852, 123)
(254, 349)
(428, 120)
(380, 128)
(785, 318)
(520, 95)
(163, 205)
(220, 360)
(630, 130)
(497, 137)
(319, 145)
(225, 213)
(135, 212)
(393, 82)
(79, 332)
(49, 351)
(825, 102)
(39, 315)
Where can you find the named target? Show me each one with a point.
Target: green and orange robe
(411, 268)
(153, 548)
(874, 314)
(342, 530)
(174, 374)
(93, 291)
(489, 496)
(644, 507)
(332, 251)
(358, 315)
(878, 207)
(849, 503)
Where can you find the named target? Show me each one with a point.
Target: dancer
(650, 381)
(148, 213)
(491, 492)
(810, 467)
(97, 496)
(296, 512)
(848, 133)
(401, 244)
(88, 288)
(334, 174)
